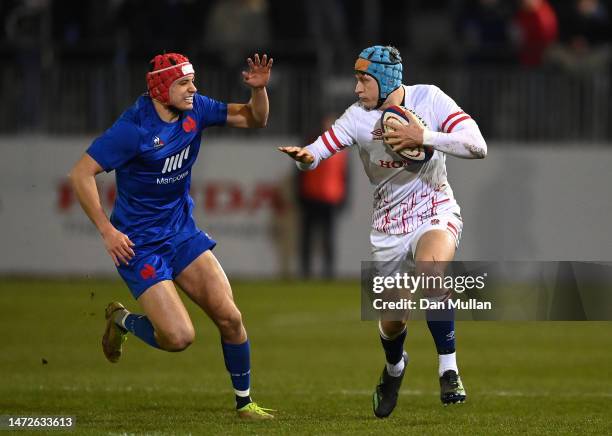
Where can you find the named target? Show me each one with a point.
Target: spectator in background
(27, 27)
(585, 38)
(144, 26)
(234, 26)
(322, 192)
(327, 30)
(484, 28)
(536, 30)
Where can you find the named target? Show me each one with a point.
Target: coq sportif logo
(158, 142)
(148, 272)
(175, 162)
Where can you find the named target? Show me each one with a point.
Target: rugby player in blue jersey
(151, 235)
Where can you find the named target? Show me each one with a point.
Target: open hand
(300, 154)
(258, 74)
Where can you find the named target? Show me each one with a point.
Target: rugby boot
(385, 396)
(254, 412)
(114, 336)
(451, 388)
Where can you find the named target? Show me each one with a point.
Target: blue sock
(441, 324)
(238, 363)
(394, 348)
(140, 326)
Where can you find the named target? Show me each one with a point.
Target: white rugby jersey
(405, 193)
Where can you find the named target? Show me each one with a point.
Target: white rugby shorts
(400, 248)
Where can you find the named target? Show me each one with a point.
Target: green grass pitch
(313, 360)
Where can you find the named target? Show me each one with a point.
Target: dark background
(525, 70)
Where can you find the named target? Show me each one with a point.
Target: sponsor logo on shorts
(148, 272)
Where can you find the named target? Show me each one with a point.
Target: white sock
(243, 393)
(120, 318)
(396, 370)
(446, 362)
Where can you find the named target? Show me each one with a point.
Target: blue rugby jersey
(152, 160)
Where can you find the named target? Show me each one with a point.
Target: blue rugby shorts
(162, 262)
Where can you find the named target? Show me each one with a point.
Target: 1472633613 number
(36, 421)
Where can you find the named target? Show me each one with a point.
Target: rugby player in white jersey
(415, 218)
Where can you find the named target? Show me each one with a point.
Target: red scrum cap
(165, 70)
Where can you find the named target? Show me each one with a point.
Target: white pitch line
(347, 392)
(414, 392)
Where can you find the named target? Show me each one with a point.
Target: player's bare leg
(392, 328)
(165, 325)
(164, 308)
(205, 282)
(435, 245)
(434, 250)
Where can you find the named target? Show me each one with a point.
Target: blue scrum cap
(384, 63)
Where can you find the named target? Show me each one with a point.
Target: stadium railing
(509, 104)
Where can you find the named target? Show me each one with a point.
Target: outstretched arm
(300, 155)
(83, 179)
(335, 139)
(255, 112)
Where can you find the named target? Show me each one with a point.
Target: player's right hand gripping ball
(419, 154)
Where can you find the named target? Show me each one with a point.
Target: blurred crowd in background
(526, 32)
(495, 57)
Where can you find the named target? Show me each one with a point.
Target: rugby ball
(419, 154)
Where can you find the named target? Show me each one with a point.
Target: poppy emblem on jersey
(157, 142)
(148, 272)
(189, 124)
